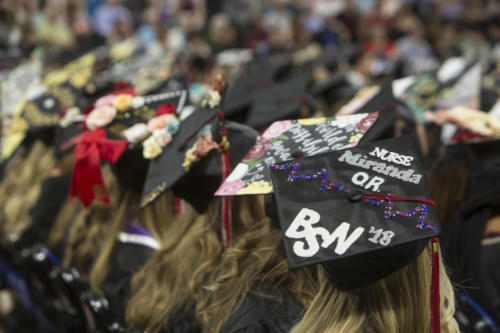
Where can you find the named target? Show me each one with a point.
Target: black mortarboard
(175, 169)
(369, 205)
(34, 120)
(259, 75)
(283, 100)
(333, 89)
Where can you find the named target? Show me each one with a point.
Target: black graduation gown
(258, 314)
(474, 267)
(183, 321)
(126, 259)
(54, 192)
(490, 273)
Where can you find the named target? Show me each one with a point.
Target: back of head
(256, 258)
(396, 304)
(21, 185)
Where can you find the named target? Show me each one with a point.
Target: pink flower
(260, 148)
(230, 188)
(105, 101)
(162, 137)
(276, 129)
(159, 122)
(100, 117)
(204, 145)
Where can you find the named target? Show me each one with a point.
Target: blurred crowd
(148, 105)
(420, 32)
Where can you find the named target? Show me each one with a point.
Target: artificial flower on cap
(288, 139)
(199, 157)
(362, 213)
(121, 123)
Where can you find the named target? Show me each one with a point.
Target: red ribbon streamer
(381, 196)
(91, 147)
(435, 296)
(226, 202)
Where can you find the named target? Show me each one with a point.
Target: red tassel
(179, 205)
(435, 297)
(226, 170)
(226, 202)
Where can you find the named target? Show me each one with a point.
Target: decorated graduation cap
(146, 72)
(126, 130)
(197, 160)
(288, 139)
(33, 120)
(362, 212)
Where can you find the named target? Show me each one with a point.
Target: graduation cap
(362, 212)
(145, 72)
(114, 131)
(33, 120)
(198, 158)
(259, 75)
(288, 139)
(283, 100)
(16, 84)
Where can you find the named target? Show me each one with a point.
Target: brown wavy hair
(398, 303)
(257, 258)
(172, 278)
(21, 186)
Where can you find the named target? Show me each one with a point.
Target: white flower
(151, 148)
(211, 99)
(137, 102)
(136, 133)
(162, 137)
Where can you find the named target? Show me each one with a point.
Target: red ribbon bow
(91, 147)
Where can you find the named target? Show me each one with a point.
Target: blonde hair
(398, 303)
(89, 229)
(156, 218)
(172, 278)
(21, 187)
(256, 259)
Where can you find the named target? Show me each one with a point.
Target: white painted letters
(302, 228)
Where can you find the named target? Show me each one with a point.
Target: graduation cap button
(355, 196)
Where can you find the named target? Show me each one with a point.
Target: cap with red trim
(362, 212)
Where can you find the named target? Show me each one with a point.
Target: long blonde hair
(172, 278)
(89, 229)
(21, 187)
(156, 218)
(257, 258)
(398, 303)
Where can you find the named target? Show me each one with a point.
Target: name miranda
(407, 175)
